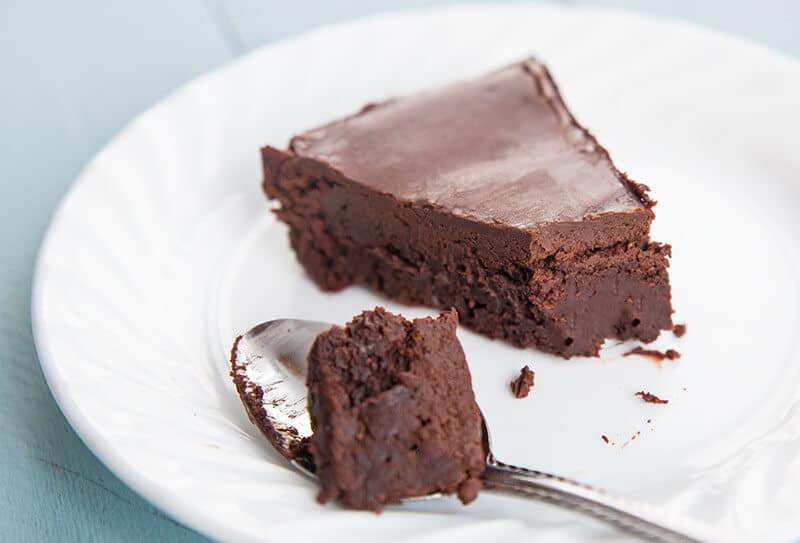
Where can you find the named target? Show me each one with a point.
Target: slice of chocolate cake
(486, 196)
(393, 412)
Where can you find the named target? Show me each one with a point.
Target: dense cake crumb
(393, 411)
(658, 356)
(650, 398)
(468, 491)
(522, 385)
(679, 330)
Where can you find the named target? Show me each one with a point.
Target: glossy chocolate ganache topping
(502, 149)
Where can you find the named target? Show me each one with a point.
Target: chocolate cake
(522, 385)
(486, 196)
(650, 398)
(393, 411)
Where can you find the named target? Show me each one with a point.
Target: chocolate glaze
(502, 148)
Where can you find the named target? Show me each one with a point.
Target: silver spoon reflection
(269, 364)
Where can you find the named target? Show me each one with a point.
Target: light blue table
(71, 75)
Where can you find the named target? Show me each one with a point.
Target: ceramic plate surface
(164, 251)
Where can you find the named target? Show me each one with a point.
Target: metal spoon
(271, 358)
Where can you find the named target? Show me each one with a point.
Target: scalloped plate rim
(173, 504)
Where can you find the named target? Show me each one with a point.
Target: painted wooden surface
(73, 73)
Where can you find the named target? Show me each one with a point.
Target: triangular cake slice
(486, 196)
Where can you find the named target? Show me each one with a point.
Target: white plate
(163, 251)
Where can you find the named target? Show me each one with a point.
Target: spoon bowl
(272, 357)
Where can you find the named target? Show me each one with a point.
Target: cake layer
(393, 411)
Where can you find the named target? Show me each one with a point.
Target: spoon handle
(638, 518)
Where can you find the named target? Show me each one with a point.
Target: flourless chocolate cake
(393, 412)
(486, 196)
